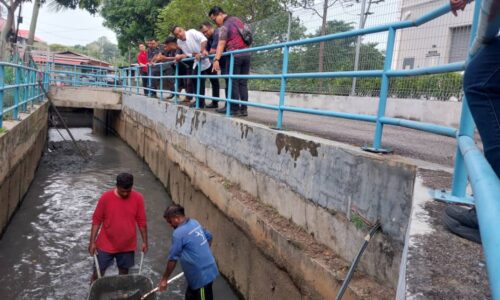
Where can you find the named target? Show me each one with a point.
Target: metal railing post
(198, 82)
(137, 80)
(459, 182)
(17, 91)
(24, 90)
(230, 85)
(2, 84)
(284, 71)
(384, 91)
(74, 75)
(161, 82)
(149, 80)
(176, 83)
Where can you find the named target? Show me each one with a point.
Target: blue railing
(469, 161)
(19, 89)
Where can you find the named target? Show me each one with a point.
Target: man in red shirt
(117, 214)
(142, 60)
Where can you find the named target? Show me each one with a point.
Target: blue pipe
(486, 186)
(384, 90)
(284, 70)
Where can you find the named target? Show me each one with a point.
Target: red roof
(23, 33)
(67, 58)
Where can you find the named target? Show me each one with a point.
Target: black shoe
(243, 113)
(465, 216)
(192, 105)
(468, 233)
(171, 96)
(221, 110)
(212, 105)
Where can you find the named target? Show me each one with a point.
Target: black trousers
(204, 293)
(240, 86)
(202, 84)
(214, 82)
(144, 82)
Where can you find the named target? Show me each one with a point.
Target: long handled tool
(156, 288)
(97, 266)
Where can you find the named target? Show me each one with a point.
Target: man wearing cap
(113, 235)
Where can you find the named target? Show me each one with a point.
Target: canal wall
(21, 147)
(290, 210)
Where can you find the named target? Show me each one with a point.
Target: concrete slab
(86, 97)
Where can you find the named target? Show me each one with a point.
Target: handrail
(469, 160)
(25, 89)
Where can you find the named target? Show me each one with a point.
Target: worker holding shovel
(191, 246)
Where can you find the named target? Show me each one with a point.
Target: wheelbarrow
(122, 287)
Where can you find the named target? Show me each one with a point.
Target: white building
(441, 41)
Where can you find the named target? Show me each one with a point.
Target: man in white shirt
(193, 44)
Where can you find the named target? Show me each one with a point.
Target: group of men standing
(199, 44)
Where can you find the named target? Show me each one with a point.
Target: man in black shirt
(153, 50)
(213, 39)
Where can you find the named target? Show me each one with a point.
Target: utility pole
(34, 19)
(362, 20)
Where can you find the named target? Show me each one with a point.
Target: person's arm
(97, 219)
(173, 256)
(143, 225)
(93, 235)
(458, 5)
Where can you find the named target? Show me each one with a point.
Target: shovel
(156, 288)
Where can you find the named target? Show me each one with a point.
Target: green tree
(12, 5)
(190, 14)
(131, 20)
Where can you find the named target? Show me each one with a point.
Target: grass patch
(3, 130)
(358, 221)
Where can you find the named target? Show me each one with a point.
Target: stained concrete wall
(86, 97)
(21, 148)
(315, 183)
(262, 253)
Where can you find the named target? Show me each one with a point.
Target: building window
(459, 43)
(408, 63)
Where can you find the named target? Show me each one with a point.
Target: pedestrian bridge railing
(470, 163)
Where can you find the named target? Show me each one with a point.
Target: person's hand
(92, 248)
(197, 56)
(215, 66)
(144, 247)
(179, 57)
(458, 5)
(204, 53)
(163, 285)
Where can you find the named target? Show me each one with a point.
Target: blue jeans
(482, 89)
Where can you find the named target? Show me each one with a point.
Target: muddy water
(43, 253)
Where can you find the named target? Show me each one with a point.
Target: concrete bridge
(295, 205)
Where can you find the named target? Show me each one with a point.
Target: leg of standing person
(243, 84)
(214, 82)
(144, 83)
(202, 87)
(204, 293)
(482, 90)
(235, 91)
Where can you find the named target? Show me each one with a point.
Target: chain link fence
(442, 41)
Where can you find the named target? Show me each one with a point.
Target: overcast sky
(67, 27)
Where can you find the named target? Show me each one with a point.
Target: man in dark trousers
(212, 36)
(153, 51)
(230, 39)
(482, 90)
(191, 246)
(118, 213)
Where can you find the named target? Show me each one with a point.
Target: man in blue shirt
(191, 246)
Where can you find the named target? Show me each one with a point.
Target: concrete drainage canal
(288, 212)
(43, 252)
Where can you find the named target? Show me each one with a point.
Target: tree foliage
(190, 14)
(131, 20)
